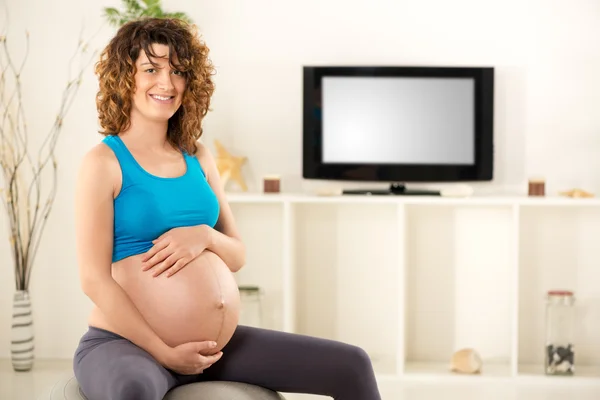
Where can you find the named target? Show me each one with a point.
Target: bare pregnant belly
(200, 302)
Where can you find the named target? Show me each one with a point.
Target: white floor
(36, 385)
(32, 385)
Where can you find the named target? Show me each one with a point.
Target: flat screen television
(398, 124)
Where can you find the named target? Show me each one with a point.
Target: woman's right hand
(191, 358)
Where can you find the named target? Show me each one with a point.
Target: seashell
(466, 361)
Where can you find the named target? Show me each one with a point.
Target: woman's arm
(94, 228)
(225, 239)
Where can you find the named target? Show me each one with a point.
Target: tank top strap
(193, 163)
(126, 161)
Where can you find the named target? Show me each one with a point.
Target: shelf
(535, 372)
(413, 279)
(526, 201)
(492, 373)
(559, 258)
(335, 282)
(441, 371)
(458, 283)
(260, 224)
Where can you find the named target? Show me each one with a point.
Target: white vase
(21, 339)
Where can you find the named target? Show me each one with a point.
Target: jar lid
(248, 288)
(560, 293)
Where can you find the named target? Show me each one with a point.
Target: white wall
(546, 102)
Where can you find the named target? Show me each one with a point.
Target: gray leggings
(110, 367)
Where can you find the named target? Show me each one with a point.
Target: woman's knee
(357, 361)
(353, 376)
(134, 387)
(108, 367)
(125, 381)
(142, 382)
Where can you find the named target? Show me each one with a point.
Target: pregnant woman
(157, 243)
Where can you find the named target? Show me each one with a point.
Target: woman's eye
(178, 72)
(150, 70)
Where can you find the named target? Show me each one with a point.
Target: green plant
(134, 9)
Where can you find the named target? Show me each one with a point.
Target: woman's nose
(165, 80)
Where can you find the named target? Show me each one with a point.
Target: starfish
(229, 166)
(577, 193)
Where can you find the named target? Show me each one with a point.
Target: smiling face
(158, 87)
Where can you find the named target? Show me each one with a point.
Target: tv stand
(398, 189)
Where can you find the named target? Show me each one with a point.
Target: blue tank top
(147, 205)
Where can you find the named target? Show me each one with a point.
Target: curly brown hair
(116, 70)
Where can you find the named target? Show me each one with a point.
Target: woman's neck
(146, 134)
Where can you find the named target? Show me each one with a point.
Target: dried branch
(26, 203)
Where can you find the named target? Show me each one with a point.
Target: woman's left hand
(174, 249)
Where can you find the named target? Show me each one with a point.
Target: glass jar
(560, 329)
(251, 309)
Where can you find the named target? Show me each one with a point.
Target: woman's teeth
(161, 97)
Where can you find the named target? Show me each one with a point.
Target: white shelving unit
(412, 279)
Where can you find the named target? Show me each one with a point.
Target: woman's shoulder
(205, 157)
(201, 150)
(100, 161)
(100, 154)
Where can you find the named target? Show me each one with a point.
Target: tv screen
(389, 120)
(398, 124)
